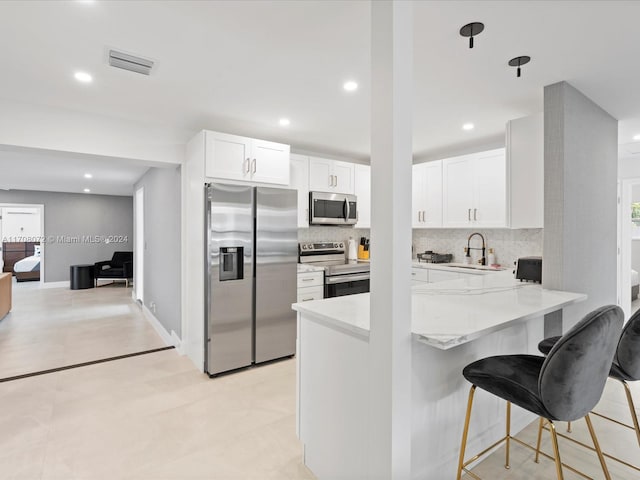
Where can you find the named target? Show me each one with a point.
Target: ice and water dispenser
(231, 263)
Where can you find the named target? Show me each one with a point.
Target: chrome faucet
(483, 260)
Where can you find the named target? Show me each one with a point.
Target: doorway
(138, 270)
(22, 241)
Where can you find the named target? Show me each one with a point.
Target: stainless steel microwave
(332, 209)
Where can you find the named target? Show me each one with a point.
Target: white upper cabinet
(474, 190)
(270, 163)
(525, 163)
(427, 195)
(362, 189)
(300, 182)
(231, 157)
(457, 189)
(330, 175)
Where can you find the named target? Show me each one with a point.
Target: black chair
(120, 267)
(564, 386)
(625, 367)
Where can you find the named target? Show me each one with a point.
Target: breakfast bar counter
(453, 323)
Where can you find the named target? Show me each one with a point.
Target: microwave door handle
(345, 209)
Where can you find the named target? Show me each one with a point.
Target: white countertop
(459, 267)
(451, 313)
(306, 268)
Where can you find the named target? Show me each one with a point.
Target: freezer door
(229, 256)
(276, 273)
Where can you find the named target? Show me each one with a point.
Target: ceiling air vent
(130, 62)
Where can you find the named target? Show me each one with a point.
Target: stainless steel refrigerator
(252, 254)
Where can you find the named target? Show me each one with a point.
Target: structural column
(391, 159)
(580, 201)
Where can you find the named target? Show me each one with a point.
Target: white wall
(162, 237)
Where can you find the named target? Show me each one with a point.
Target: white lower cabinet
(310, 286)
(419, 275)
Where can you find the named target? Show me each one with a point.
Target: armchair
(119, 267)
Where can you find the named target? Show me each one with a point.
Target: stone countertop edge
(448, 342)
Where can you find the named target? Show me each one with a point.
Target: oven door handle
(346, 278)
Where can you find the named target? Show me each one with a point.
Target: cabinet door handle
(469, 214)
(331, 180)
(307, 299)
(475, 211)
(308, 279)
(424, 215)
(246, 165)
(254, 167)
(336, 177)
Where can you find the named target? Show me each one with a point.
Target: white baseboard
(63, 284)
(168, 338)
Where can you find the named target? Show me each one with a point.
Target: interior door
(276, 273)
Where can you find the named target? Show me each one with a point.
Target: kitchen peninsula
(454, 323)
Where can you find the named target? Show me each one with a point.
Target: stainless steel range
(341, 276)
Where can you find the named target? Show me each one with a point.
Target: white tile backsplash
(331, 234)
(508, 245)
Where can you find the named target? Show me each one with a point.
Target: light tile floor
(155, 417)
(55, 327)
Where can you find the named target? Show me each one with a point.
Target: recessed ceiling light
(350, 86)
(88, 175)
(83, 77)
(86, 190)
(636, 137)
(468, 126)
(284, 122)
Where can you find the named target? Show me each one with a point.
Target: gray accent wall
(162, 254)
(72, 224)
(580, 200)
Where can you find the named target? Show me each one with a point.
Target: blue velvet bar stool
(564, 386)
(625, 367)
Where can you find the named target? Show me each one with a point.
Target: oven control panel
(321, 246)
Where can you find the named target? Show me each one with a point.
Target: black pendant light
(518, 62)
(471, 29)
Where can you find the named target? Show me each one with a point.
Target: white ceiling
(240, 66)
(31, 169)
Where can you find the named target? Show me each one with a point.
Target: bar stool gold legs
(508, 436)
(554, 440)
(632, 408)
(632, 411)
(465, 432)
(597, 447)
(462, 463)
(556, 450)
